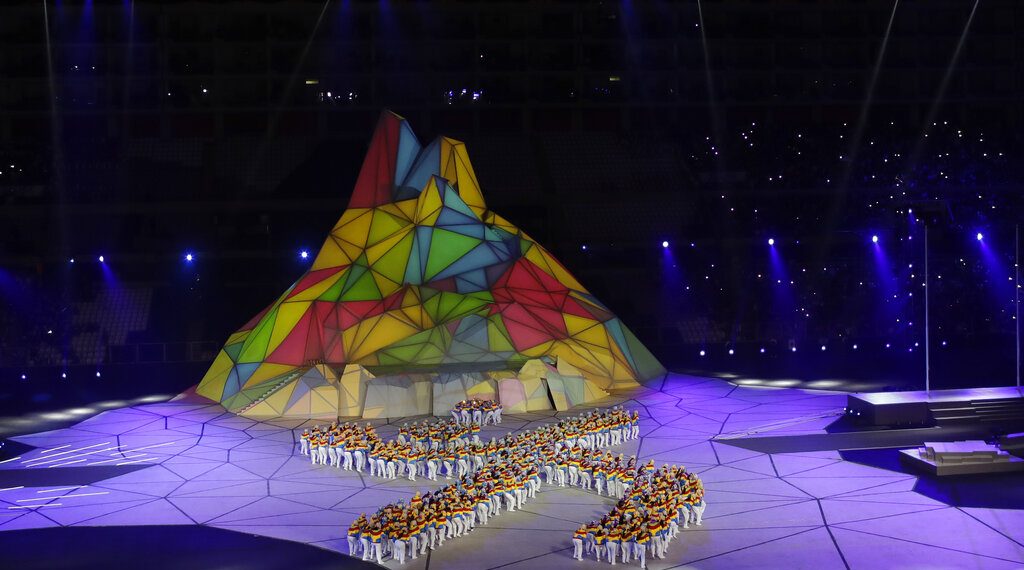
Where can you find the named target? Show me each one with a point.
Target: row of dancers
(445, 447)
(479, 410)
(647, 515)
(508, 475)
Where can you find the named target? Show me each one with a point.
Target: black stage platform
(994, 407)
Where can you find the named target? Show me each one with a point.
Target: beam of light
(259, 157)
(67, 463)
(9, 460)
(35, 506)
(117, 447)
(12, 488)
(865, 108)
(45, 451)
(66, 452)
(716, 120)
(62, 489)
(940, 97)
(63, 496)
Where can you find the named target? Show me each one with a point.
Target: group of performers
(479, 411)
(649, 513)
(508, 475)
(424, 449)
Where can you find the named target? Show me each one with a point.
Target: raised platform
(961, 458)
(996, 406)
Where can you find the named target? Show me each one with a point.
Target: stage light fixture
(304, 254)
(24, 377)
(980, 236)
(762, 351)
(72, 260)
(189, 257)
(64, 375)
(731, 352)
(97, 373)
(584, 247)
(823, 348)
(771, 241)
(702, 353)
(664, 244)
(102, 260)
(855, 347)
(792, 349)
(874, 239)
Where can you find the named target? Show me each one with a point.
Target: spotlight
(97, 373)
(63, 374)
(823, 348)
(72, 260)
(102, 260)
(980, 236)
(24, 377)
(664, 244)
(702, 353)
(792, 349)
(874, 239)
(189, 257)
(771, 241)
(584, 247)
(762, 351)
(304, 254)
(731, 352)
(855, 347)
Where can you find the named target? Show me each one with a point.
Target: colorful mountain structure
(419, 276)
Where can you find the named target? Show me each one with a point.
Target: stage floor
(189, 463)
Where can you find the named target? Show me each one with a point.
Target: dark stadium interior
(233, 132)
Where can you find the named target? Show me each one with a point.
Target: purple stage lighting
(304, 254)
(771, 241)
(72, 260)
(97, 373)
(102, 260)
(189, 257)
(702, 353)
(980, 236)
(731, 352)
(664, 244)
(874, 239)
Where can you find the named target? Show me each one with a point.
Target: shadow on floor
(992, 491)
(161, 548)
